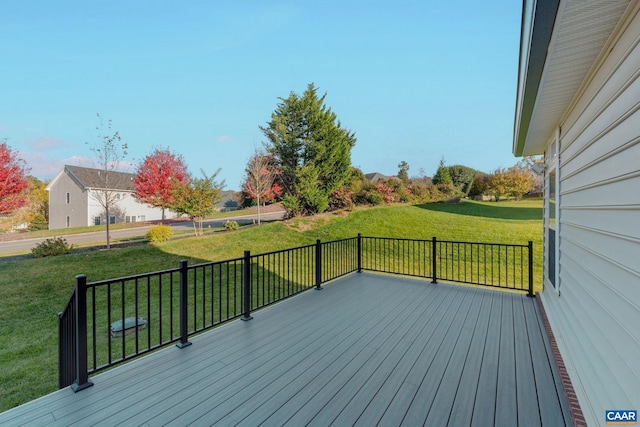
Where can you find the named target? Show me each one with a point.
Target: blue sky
(415, 80)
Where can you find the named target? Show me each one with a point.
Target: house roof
(376, 176)
(96, 178)
(561, 43)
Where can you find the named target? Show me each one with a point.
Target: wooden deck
(366, 350)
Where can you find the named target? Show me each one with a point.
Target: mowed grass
(34, 291)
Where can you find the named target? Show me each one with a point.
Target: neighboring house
(377, 177)
(579, 105)
(73, 199)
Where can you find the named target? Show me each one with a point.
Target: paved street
(98, 237)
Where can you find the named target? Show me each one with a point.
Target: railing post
(530, 293)
(184, 319)
(359, 253)
(318, 264)
(434, 260)
(62, 354)
(246, 285)
(82, 375)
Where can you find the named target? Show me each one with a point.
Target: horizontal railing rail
(111, 321)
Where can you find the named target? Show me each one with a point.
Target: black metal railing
(111, 321)
(487, 264)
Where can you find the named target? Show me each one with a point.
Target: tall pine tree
(311, 148)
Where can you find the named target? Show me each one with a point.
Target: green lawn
(34, 291)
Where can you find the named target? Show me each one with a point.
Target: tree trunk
(106, 209)
(258, 208)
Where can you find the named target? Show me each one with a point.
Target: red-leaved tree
(157, 176)
(13, 181)
(259, 182)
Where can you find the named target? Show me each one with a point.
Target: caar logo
(618, 417)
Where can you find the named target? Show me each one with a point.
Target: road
(98, 237)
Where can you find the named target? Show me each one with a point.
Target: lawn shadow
(485, 210)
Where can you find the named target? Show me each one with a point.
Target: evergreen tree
(442, 175)
(403, 172)
(309, 146)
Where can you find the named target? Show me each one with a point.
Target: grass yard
(34, 291)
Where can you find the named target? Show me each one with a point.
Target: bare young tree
(260, 178)
(110, 152)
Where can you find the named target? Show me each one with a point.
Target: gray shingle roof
(96, 178)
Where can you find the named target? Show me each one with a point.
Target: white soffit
(581, 30)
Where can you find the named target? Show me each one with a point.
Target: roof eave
(538, 19)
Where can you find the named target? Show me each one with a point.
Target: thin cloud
(42, 166)
(47, 143)
(224, 138)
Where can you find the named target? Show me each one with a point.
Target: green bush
(291, 204)
(159, 233)
(231, 225)
(368, 195)
(51, 247)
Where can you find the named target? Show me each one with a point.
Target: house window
(96, 220)
(68, 198)
(127, 218)
(551, 217)
(112, 219)
(68, 219)
(117, 196)
(142, 218)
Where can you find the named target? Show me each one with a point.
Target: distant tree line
(305, 164)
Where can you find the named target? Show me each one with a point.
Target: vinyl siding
(596, 317)
(84, 206)
(59, 209)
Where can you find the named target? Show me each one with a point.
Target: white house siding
(596, 315)
(84, 205)
(59, 209)
(126, 206)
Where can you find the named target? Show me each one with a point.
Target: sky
(417, 81)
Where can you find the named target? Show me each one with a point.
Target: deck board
(367, 349)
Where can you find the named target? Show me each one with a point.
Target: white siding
(596, 317)
(126, 206)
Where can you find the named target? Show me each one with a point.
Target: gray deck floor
(366, 350)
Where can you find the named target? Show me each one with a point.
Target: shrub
(386, 192)
(291, 204)
(231, 225)
(51, 247)
(341, 199)
(368, 196)
(159, 233)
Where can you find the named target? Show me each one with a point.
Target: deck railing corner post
(184, 319)
(246, 286)
(434, 260)
(359, 253)
(81, 357)
(318, 264)
(530, 259)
